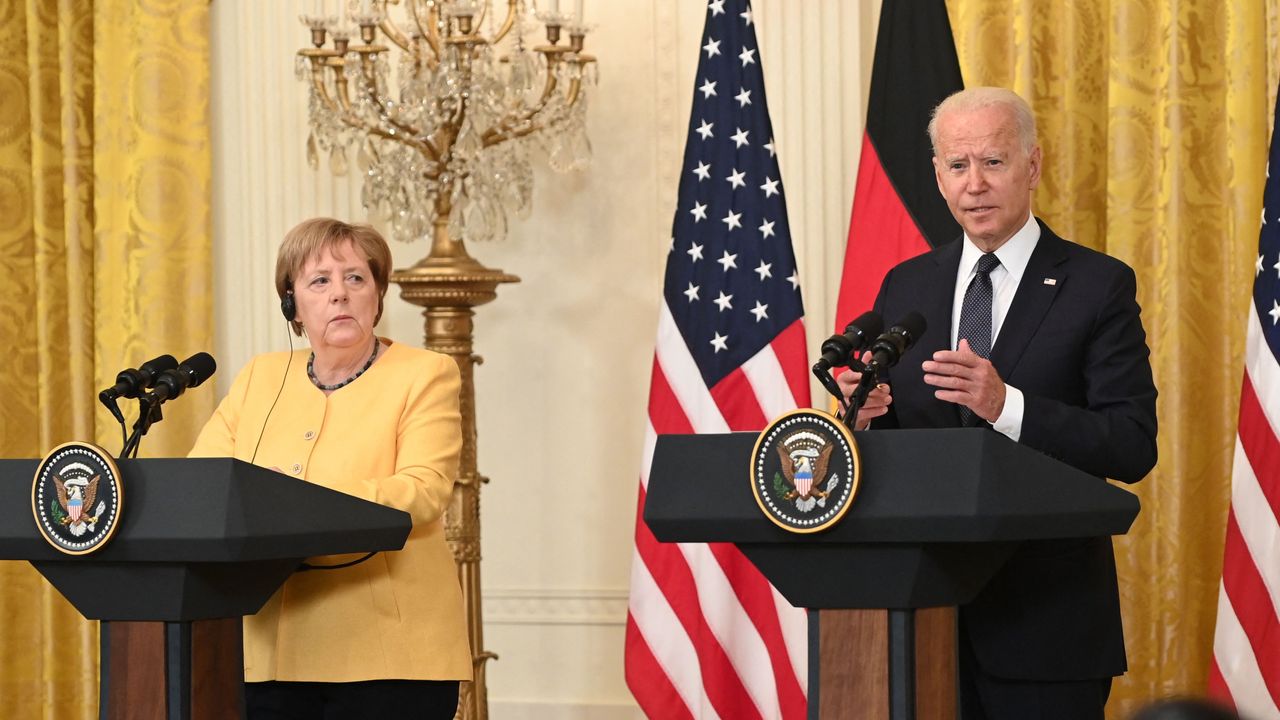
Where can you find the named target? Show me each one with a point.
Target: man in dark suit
(1039, 339)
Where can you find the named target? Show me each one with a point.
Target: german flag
(897, 210)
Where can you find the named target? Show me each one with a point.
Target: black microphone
(840, 350)
(131, 383)
(890, 346)
(886, 351)
(191, 373)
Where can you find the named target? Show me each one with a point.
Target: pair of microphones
(867, 334)
(163, 376)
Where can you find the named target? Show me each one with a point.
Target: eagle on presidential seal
(805, 456)
(76, 496)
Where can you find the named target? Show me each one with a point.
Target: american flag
(707, 636)
(1246, 646)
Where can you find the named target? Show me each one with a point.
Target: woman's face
(337, 298)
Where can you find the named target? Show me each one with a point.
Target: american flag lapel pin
(1051, 281)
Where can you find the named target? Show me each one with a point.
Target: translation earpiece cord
(308, 566)
(289, 334)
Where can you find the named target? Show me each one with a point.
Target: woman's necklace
(311, 372)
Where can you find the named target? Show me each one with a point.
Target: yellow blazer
(393, 437)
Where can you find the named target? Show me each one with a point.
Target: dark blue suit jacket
(1076, 349)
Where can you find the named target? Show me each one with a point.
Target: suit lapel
(937, 300)
(1044, 276)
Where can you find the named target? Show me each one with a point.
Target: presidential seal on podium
(805, 471)
(76, 498)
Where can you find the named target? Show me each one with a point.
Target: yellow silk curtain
(1154, 118)
(105, 254)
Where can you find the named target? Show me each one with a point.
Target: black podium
(938, 513)
(201, 543)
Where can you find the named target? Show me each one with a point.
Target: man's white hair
(977, 98)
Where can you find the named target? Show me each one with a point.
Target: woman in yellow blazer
(374, 419)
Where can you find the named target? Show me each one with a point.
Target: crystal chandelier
(444, 130)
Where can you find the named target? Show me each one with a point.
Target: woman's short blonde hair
(311, 237)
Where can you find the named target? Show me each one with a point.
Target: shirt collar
(1013, 255)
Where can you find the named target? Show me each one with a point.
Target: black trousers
(372, 699)
(984, 697)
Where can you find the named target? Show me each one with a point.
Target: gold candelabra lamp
(443, 127)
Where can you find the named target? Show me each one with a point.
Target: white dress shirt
(1014, 256)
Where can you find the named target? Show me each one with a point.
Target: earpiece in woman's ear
(288, 306)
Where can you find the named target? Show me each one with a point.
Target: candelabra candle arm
(507, 23)
(360, 123)
(424, 54)
(499, 136)
(322, 90)
(404, 138)
(340, 87)
(574, 92)
(395, 34)
(510, 126)
(509, 131)
(425, 18)
(548, 88)
(342, 106)
(432, 38)
(408, 134)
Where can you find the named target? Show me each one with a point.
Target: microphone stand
(148, 414)
(870, 377)
(822, 371)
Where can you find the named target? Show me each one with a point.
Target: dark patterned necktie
(975, 320)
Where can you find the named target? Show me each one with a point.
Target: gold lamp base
(448, 288)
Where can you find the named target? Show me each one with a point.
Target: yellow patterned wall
(1155, 117)
(104, 251)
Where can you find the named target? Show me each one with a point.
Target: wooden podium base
(856, 655)
(172, 671)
